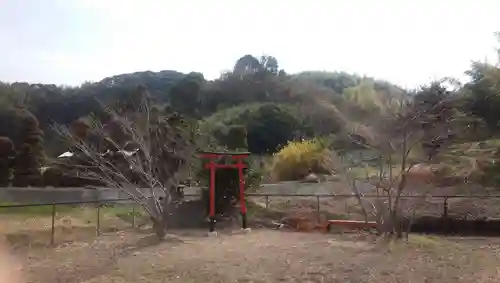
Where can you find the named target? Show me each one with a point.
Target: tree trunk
(160, 225)
(160, 228)
(390, 223)
(400, 222)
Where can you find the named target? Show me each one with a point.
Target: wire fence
(321, 205)
(347, 205)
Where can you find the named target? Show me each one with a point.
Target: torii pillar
(213, 166)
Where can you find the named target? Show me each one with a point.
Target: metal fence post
(445, 208)
(98, 225)
(136, 210)
(53, 227)
(133, 215)
(317, 209)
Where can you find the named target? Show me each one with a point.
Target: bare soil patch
(264, 256)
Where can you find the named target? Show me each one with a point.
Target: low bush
(298, 158)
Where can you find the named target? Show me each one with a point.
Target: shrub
(254, 174)
(298, 158)
(52, 177)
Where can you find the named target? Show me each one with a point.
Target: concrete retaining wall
(50, 195)
(299, 188)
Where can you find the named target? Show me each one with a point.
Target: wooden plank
(352, 224)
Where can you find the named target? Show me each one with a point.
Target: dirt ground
(121, 254)
(263, 256)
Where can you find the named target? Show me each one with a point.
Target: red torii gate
(212, 166)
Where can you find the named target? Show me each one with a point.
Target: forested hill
(62, 105)
(339, 81)
(257, 94)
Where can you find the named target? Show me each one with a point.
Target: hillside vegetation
(272, 107)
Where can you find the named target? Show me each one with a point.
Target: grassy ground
(265, 256)
(31, 226)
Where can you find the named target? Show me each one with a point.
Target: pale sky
(405, 42)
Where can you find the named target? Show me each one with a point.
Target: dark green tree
(247, 64)
(26, 167)
(6, 153)
(433, 102)
(269, 64)
(270, 128)
(483, 95)
(31, 153)
(184, 97)
(32, 135)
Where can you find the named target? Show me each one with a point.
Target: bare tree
(140, 152)
(402, 125)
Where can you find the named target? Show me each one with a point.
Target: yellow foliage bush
(294, 161)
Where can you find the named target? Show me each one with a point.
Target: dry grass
(25, 228)
(264, 256)
(349, 208)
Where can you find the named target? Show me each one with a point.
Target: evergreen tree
(26, 167)
(6, 152)
(30, 155)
